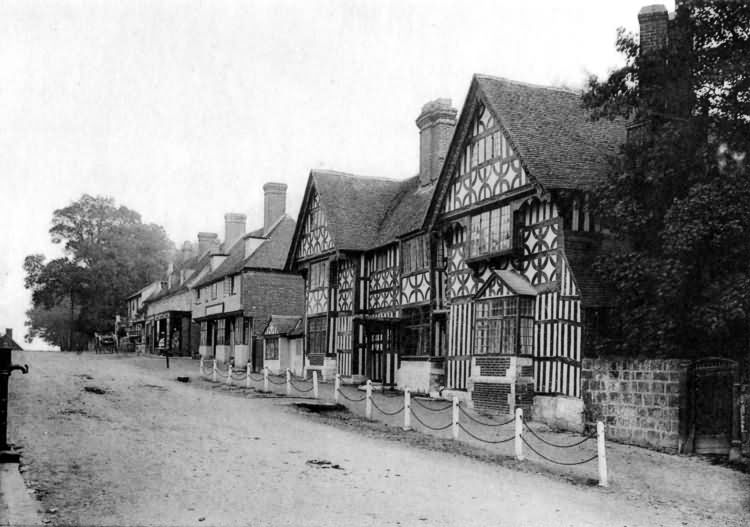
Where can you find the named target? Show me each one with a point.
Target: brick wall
(641, 401)
(493, 366)
(271, 293)
(491, 396)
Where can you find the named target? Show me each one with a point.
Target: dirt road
(111, 442)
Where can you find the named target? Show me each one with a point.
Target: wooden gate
(712, 412)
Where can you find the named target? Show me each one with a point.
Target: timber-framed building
(474, 277)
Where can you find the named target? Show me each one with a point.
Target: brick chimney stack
(436, 124)
(234, 228)
(187, 251)
(206, 241)
(654, 28)
(9, 333)
(274, 205)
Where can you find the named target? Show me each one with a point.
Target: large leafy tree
(677, 195)
(109, 253)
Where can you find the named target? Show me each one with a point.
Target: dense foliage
(109, 254)
(677, 195)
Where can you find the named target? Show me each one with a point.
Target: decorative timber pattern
(345, 285)
(488, 167)
(382, 279)
(415, 288)
(317, 301)
(315, 237)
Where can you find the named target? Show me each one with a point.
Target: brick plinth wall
(641, 401)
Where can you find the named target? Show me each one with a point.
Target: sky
(181, 110)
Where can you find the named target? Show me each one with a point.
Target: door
(712, 405)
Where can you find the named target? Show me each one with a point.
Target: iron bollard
(7, 345)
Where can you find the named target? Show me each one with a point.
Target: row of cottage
(473, 278)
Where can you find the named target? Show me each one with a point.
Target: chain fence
(460, 417)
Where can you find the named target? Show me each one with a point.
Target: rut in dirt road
(147, 450)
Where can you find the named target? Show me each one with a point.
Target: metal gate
(712, 405)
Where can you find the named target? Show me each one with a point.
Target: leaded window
(491, 232)
(504, 325)
(316, 336)
(221, 328)
(318, 275)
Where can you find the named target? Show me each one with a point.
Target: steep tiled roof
(407, 211)
(285, 325)
(196, 263)
(365, 213)
(354, 206)
(560, 146)
(271, 254)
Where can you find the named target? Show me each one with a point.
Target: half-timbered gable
(513, 186)
(369, 265)
(315, 239)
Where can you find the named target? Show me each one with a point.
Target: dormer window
(491, 232)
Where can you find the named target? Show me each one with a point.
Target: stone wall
(641, 401)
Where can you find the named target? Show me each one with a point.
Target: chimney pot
(436, 124)
(274, 204)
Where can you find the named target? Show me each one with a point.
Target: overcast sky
(182, 110)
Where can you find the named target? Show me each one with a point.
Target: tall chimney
(234, 228)
(654, 39)
(9, 333)
(187, 251)
(654, 26)
(436, 124)
(206, 241)
(274, 205)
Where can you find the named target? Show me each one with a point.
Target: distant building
(246, 284)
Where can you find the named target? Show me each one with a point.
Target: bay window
(504, 325)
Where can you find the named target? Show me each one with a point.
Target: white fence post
(247, 376)
(315, 383)
(229, 373)
(336, 387)
(215, 373)
(455, 417)
(407, 409)
(519, 431)
(288, 382)
(368, 399)
(601, 454)
(201, 365)
(265, 380)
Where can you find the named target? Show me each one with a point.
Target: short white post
(288, 382)
(201, 365)
(407, 409)
(368, 399)
(229, 373)
(315, 383)
(455, 417)
(247, 376)
(215, 372)
(336, 388)
(265, 380)
(601, 454)
(519, 431)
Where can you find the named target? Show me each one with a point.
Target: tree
(676, 196)
(109, 253)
